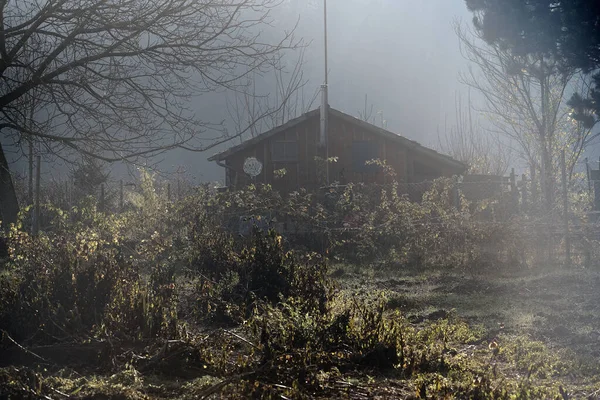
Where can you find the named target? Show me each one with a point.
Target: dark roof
(257, 139)
(415, 146)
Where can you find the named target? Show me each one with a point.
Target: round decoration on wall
(252, 166)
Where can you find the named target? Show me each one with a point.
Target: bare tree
(114, 78)
(468, 141)
(244, 108)
(526, 101)
(367, 112)
(289, 84)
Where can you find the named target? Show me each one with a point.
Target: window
(363, 151)
(285, 148)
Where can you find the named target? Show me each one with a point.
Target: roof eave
(459, 166)
(265, 135)
(415, 145)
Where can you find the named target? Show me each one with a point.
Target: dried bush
(261, 272)
(77, 281)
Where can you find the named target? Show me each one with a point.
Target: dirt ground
(560, 307)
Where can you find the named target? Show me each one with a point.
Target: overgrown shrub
(77, 281)
(263, 271)
(443, 230)
(359, 224)
(302, 349)
(130, 275)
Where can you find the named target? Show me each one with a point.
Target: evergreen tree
(566, 31)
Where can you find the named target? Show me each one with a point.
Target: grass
(560, 307)
(533, 315)
(526, 336)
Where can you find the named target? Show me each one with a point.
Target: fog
(402, 54)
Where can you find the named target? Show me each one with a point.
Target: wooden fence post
(586, 248)
(455, 194)
(524, 192)
(36, 211)
(67, 197)
(30, 183)
(101, 197)
(587, 173)
(121, 196)
(566, 207)
(533, 186)
(513, 189)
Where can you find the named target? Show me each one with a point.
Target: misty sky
(403, 54)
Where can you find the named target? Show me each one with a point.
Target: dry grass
(560, 307)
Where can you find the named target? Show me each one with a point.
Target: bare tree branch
(526, 102)
(469, 142)
(115, 79)
(250, 109)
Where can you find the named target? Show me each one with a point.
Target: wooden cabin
(291, 156)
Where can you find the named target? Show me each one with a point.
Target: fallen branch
(59, 392)
(243, 339)
(5, 334)
(164, 354)
(216, 388)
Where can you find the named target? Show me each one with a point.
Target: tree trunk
(549, 178)
(9, 205)
(30, 177)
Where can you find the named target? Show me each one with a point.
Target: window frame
(288, 140)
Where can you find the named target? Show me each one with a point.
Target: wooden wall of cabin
(300, 173)
(343, 135)
(235, 165)
(411, 165)
(425, 167)
(407, 163)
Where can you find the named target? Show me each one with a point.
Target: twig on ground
(219, 386)
(31, 391)
(204, 338)
(61, 393)
(591, 396)
(215, 388)
(4, 333)
(277, 385)
(243, 339)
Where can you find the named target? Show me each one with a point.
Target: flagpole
(325, 39)
(325, 100)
